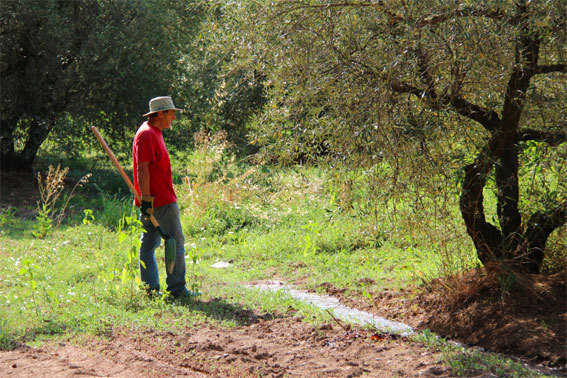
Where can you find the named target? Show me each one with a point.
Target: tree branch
(540, 226)
(544, 69)
(553, 138)
(486, 117)
(496, 14)
(489, 119)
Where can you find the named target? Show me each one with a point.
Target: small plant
(44, 224)
(130, 228)
(7, 216)
(310, 248)
(507, 281)
(27, 269)
(83, 180)
(7, 341)
(194, 255)
(89, 217)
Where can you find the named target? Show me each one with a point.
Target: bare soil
(267, 347)
(527, 318)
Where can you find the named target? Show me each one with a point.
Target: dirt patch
(517, 315)
(521, 315)
(268, 347)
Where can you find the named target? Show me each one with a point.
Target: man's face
(167, 117)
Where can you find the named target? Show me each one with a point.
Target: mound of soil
(514, 314)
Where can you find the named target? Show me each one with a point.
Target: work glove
(147, 206)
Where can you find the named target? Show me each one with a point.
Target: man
(153, 181)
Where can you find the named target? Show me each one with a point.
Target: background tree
(67, 63)
(482, 83)
(217, 92)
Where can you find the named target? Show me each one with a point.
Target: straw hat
(159, 104)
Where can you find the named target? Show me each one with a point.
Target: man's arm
(146, 207)
(144, 178)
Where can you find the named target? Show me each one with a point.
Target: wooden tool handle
(116, 163)
(122, 173)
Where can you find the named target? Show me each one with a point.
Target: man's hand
(147, 205)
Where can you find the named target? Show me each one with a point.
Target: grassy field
(294, 224)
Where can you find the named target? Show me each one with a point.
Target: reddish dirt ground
(527, 320)
(267, 347)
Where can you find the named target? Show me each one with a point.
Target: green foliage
(425, 90)
(44, 223)
(130, 228)
(7, 341)
(7, 216)
(89, 217)
(217, 94)
(214, 187)
(86, 62)
(221, 218)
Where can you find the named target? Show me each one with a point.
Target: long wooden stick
(122, 173)
(116, 163)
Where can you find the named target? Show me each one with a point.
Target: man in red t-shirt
(153, 181)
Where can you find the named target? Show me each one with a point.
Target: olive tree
(85, 61)
(349, 77)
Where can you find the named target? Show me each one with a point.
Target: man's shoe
(184, 294)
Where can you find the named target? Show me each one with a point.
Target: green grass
(269, 223)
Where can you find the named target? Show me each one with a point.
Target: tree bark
(540, 226)
(506, 174)
(8, 158)
(486, 237)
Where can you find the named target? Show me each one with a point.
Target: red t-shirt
(149, 146)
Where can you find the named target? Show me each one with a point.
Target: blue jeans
(168, 219)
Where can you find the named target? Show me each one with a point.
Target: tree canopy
(85, 61)
(472, 82)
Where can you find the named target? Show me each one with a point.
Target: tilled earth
(268, 347)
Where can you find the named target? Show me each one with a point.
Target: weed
(67, 197)
(50, 190)
(7, 340)
(27, 270)
(44, 224)
(7, 216)
(194, 255)
(310, 248)
(89, 217)
(130, 228)
(507, 280)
